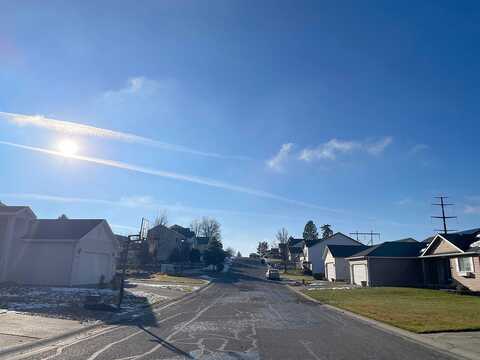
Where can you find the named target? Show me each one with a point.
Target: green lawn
(293, 274)
(417, 310)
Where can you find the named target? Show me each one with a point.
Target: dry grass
(180, 280)
(417, 310)
(296, 275)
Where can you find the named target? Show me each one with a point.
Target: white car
(272, 274)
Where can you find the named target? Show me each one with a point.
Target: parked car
(272, 274)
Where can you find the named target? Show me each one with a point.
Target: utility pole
(371, 233)
(141, 236)
(444, 218)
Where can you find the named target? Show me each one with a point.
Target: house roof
(310, 243)
(392, 249)
(345, 250)
(409, 239)
(54, 229)
(295, 250)
(464, 239)
(292, 242)
(183, 230)
(4, 209)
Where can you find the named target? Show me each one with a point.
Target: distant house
(189, 234)
(162, 242)
(451, 259)
(313, 251)
(55, 252)
(295, 249)
(392, 263)
(336, 266)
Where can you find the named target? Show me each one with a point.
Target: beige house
(162, 241)
(453, 259)
(336, 265)
(54, 252)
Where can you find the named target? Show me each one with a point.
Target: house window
(465, 264)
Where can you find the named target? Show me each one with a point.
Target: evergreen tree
(310, 232)
(326, 231)
(214, 254)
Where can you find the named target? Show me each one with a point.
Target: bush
(220, 267)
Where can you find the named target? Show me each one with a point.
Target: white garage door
(359, 274)
(330, 271)
(91, 268)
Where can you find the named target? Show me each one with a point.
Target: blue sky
(261, 114)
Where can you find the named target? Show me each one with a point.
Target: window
(465, 264)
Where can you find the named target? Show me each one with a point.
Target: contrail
(74, 128)
(175, 176)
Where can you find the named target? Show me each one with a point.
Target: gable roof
(183, 230)
(345, 250)
(409, 239)
(392, 249)
(292, 242)
(467, 240)
(54, 229)
(310, 243)
(5, 209)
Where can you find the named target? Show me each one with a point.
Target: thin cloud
(470, 209)
(73, 128)
(276, 163)
(335, 147)
(174, 176)
(418, 148)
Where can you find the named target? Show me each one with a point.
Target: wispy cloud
(418, 148)
(276, 163)
(335, 147)
(74, 128)
(174, 176)
(404, 201)
(471, 209)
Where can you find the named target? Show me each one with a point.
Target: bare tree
(195, 227)
(230, 251)
(161, 219)
(210, 228)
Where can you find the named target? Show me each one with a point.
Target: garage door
(359, 274)
(330, 271)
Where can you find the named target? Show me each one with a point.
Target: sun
(67, 147)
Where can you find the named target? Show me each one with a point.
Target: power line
(444, 217)
(371, 233)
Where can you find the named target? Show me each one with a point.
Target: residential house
(189, 234)
(313, 251)
(453, 259)
(162, 242)
(55, 252)
(336, 265)
(295, 249)
(392, 263)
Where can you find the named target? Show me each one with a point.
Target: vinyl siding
(473, 283)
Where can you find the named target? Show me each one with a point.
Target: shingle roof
(292, 242)
(183, 230)
(392, 249)
(463, 239)
(310, 243)
(409, 239)
(345, 250)
(72, 229)
(11, 209)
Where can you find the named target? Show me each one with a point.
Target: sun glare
(68, 147)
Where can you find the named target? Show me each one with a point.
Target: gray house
(55, 252)
(393, 263)
(336, 265)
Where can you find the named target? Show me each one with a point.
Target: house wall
(163, 241)
(394, 272)
(350, 265)
(12, 228)
(341, 269)
(94, 257)
(39, 264)
(442, 247)
(315, 252)
(473, 283)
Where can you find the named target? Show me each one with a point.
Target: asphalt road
(242, 316)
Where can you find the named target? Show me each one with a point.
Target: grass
(173, 279)
(417, 310)
(296, 275)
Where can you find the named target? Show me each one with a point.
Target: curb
(158, 305)
(417, 338)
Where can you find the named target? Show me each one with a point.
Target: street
(242, 316)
